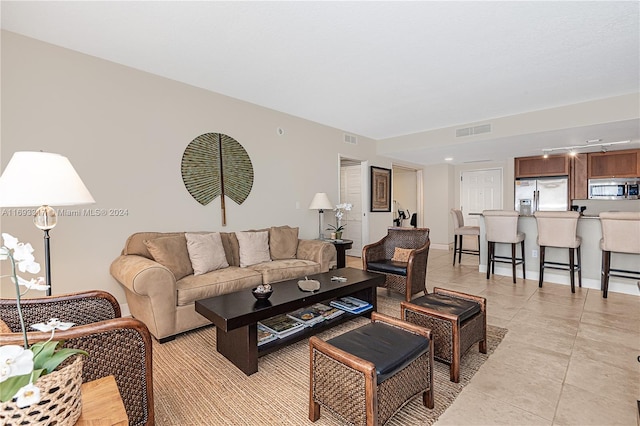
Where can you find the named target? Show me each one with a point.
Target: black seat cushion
(389, 348)
(464, 309)
(388, 266)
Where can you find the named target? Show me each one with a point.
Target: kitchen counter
(590, 231)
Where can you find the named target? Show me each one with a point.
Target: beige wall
(125, 131)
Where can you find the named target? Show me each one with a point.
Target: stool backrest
(557, 229)
(458, 218)
(501, 226)
(620, 232)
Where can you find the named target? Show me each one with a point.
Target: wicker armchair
(407, 277)
(117, 346)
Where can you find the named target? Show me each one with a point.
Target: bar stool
(459, 230)
(620, 234)
(502, 227)
(558, 230)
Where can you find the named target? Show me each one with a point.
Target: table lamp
(320, 202)
(42, 179)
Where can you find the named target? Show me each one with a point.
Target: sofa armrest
(321, 252)
(151, 292)
(143, 276)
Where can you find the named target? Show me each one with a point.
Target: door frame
(364, 184)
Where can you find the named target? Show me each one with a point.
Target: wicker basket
(60, 399)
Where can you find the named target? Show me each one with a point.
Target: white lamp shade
(41, 178)
(320, 202)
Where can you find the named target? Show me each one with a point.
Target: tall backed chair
(459, 231)
(558, 230)
(620, 234)
(402, 257)
(502, 227)
(117, 346)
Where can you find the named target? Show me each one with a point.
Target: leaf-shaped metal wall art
(214, 164)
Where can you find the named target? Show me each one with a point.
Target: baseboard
(617, 286)
(440, 246)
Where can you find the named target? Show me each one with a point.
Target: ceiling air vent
(353, 140)
(474, 130)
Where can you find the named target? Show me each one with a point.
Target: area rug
(194, 385)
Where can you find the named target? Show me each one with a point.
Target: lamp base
(45, 219)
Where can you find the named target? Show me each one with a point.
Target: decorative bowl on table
(262, 292)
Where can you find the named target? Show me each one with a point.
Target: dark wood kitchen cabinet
(554, 165)
(578, 181)
(614, 164)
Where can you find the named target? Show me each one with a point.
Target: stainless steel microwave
(613, 189)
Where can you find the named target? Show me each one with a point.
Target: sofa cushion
(172, 253)
(401, 254)
(135, 243)
(254, 247)
(215, 283)
(283, 242)
(206, 252)
(288, 269)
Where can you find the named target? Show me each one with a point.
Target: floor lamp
(42, 179)
(320, 202)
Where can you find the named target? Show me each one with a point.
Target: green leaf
(57, 358)
(44, 353)
(12, 385)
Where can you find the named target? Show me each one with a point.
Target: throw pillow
(206, 252)
(283, 242)
(401, 254)
(172, 253)
(254, 247)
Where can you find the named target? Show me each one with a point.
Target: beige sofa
(163, 275)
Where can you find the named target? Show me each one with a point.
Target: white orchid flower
(52, 324)
(15, 361)
(24, 259)
(27, 395)
(10, 241)
(4, 253)
(34, 283)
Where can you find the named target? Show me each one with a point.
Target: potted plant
(32, 385)
(338, 228)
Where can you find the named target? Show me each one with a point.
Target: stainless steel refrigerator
(544, 194)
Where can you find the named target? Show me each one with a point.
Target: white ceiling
(377, 69)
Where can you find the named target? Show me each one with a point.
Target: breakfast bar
(589, 229)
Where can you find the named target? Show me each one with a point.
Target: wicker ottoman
(456, 320)
(364, 386)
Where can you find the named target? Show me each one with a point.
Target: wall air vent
(474, 130)
(476, 161)
(353, 140)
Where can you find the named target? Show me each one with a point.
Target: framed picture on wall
(380, 189)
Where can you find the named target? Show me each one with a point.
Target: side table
(102, 404)
(341, 247)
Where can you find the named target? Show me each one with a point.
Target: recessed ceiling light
(448, 159)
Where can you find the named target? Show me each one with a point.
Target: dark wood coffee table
(236, 315)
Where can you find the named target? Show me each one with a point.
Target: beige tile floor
(568, 359)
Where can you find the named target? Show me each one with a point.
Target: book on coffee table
(308, 316)
(264, 335)
(281, 325)
(327, 311)
(351, 304)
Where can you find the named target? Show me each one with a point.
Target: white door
(480, 190)
(351, 192)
